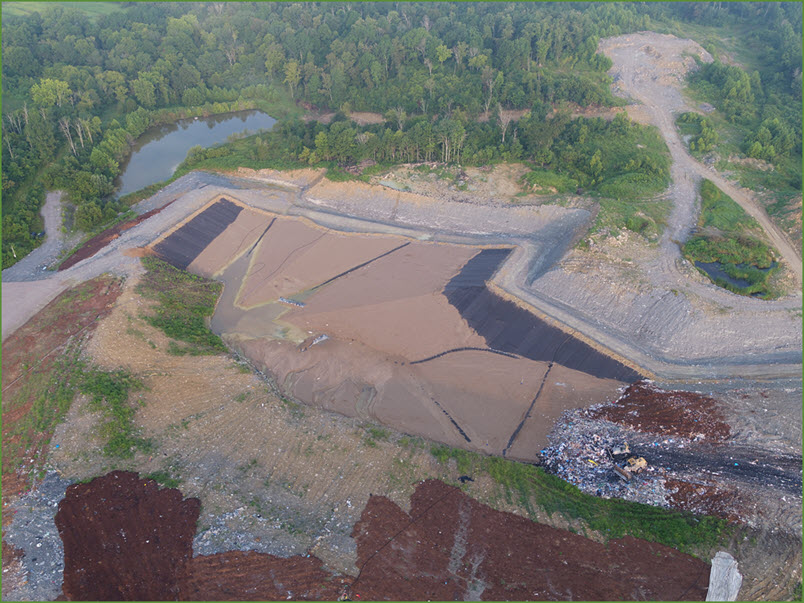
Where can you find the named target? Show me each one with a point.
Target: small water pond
(159, 151)
(715, 271)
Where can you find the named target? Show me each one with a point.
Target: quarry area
(392, 346)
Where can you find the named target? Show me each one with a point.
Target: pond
(159, 151)
(715, 271)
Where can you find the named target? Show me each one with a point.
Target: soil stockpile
(671, 413)
(98, 242)
(125, 539)
(450, 547)
(184, 245)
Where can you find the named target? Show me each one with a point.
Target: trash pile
(595, 456)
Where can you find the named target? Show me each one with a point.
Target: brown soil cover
(98, 242)
(125, 539)
(251, 576)
(673, 413)
(704, 499)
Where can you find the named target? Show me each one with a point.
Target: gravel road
(33, 265)
(647, 303)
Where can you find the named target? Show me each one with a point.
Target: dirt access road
(646, 67)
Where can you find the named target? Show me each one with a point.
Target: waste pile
(587, 453)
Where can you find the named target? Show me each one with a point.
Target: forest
(79, 88)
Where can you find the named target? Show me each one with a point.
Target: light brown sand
(294, 257)
(565, 388)
(235, 240)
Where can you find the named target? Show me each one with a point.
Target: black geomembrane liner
(507, 327)
(184, 245)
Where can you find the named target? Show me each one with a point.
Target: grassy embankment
(725, 235)
(530, 486)
(53, 372)
(633, 169)
(184, 302)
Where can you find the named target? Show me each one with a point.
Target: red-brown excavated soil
(704, 499)
(251, 576)
(125, 539)
(673, 413)
(98, 242)
(450, 547)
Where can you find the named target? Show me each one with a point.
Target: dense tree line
(77, 92)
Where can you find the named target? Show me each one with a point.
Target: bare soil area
(670, 413)
(450, 547)
(124, 538)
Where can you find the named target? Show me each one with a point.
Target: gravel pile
(34, 531)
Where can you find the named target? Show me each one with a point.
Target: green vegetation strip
(184, 301)
(53, 392)
(725, 237)
(531, 487)
(109, 395)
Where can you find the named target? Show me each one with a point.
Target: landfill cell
(509, 328)
(184, 245)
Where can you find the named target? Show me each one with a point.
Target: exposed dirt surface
(671, 413)
(29, 354)
(98, 242)
(450, 547)
(250, 576)
(365, 118)
(13, 571)
(125, 539)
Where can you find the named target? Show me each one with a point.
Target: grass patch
(184, 303)
(50, 390)
(725, 238)
(109, 391)
(92, 10)
(336, 174)
(532, 487)
(647, 217)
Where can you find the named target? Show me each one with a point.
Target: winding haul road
(648, 77)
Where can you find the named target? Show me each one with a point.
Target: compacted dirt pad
(124, 538)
